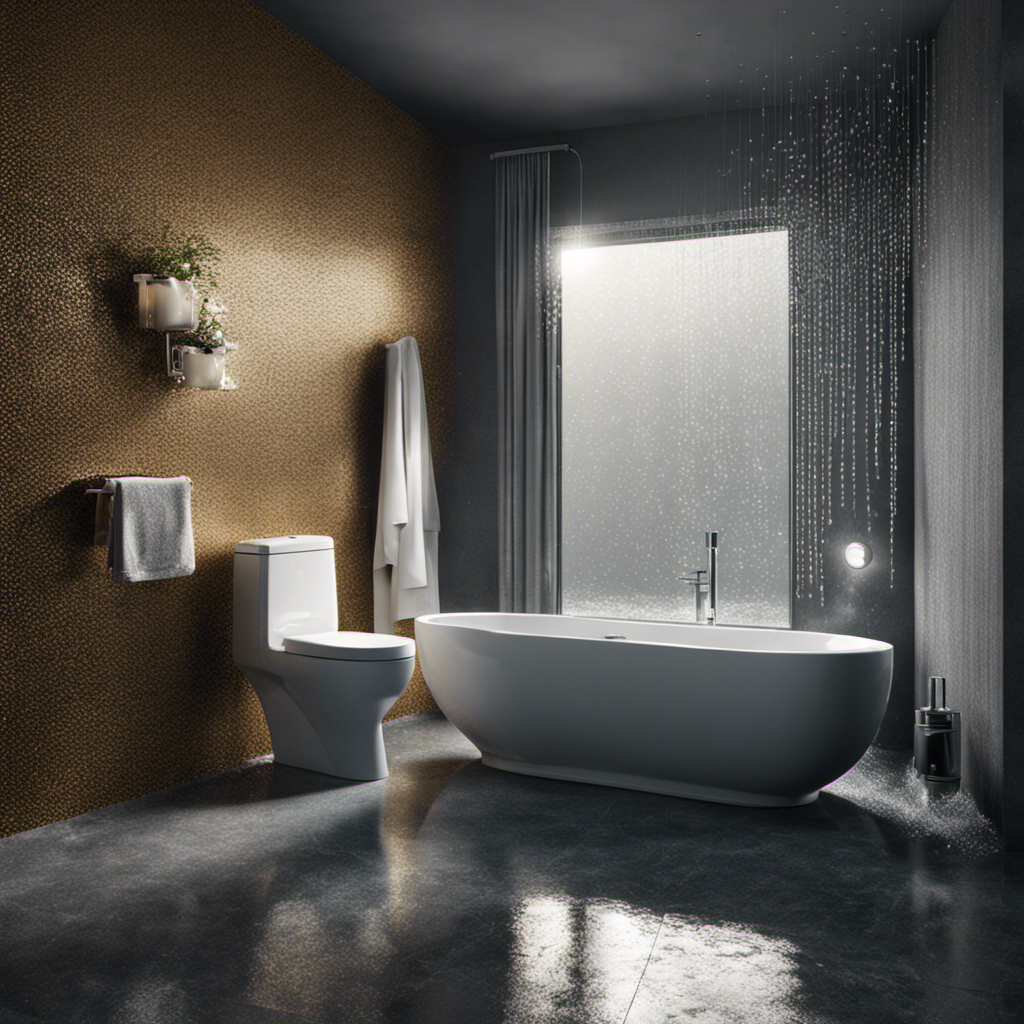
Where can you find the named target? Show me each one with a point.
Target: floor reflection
(729, 972)
(576, 957)
(411, 791)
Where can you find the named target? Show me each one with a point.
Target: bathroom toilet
(324, 692)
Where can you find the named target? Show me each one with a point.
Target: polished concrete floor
(452, 893)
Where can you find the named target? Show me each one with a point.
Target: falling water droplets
(832, 142)
(847, 179)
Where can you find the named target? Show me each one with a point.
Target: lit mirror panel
(675, 420)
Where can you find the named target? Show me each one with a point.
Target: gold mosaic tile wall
(333, 208)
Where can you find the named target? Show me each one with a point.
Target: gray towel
(151, 529)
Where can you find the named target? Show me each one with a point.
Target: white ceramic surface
(324, 709)
(202, 369)
(347, 646)
(166, 304)
(736, 715)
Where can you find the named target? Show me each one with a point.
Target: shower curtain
(527, 388)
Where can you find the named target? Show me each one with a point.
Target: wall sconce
(858, 555)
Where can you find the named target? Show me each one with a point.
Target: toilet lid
(351, 646)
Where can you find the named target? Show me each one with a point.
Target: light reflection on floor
(728, 972)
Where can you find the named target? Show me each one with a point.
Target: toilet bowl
(324, 692)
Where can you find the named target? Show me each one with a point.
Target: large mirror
(675, 356)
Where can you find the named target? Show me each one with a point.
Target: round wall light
(858, 555)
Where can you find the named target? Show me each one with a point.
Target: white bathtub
(743, 716)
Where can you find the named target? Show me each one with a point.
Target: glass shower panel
(675, 420)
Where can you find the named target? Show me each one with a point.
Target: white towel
(405, 553)
(151, 529)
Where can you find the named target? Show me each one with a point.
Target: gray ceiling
(475, 70)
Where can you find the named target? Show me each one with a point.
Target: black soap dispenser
(937, 742)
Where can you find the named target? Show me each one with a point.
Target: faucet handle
(693, 575)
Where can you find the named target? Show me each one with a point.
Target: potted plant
(199, 362)
(185, 257)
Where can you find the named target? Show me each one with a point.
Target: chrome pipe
(711, 541)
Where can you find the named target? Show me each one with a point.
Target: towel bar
(104, 511)
(108, 488)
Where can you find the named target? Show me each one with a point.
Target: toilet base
(361, 762)
(325, 716)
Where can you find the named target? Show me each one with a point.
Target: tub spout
(697, 578)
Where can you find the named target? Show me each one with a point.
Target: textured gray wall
(959, 388)
(1013, 423)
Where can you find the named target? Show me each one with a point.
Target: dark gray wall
(635, 172)
(959, 353)
(468, 493)
(1013, 423)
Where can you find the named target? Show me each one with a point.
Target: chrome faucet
(705, 583)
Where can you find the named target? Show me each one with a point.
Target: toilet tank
(284, 586)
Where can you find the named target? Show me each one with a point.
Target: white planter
(165, 303)
(201, 369)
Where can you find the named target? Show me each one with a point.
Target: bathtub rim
(866, 645)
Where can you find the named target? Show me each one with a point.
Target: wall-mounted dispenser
(167, 304)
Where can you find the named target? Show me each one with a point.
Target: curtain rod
(562, 147)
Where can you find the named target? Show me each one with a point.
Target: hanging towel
(405, 554)
(151, 529)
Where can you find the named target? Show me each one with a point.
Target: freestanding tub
(762, 717)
